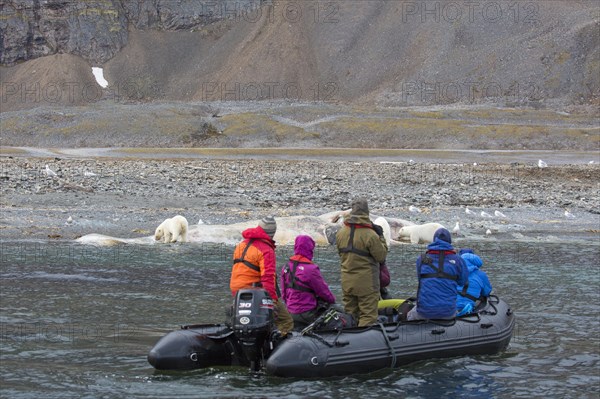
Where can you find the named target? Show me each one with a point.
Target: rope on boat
(493, 305)
(467, 318)
(324, 341)
(389, 344)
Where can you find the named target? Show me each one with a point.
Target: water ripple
(79, 323)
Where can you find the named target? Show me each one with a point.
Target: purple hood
(304, 246)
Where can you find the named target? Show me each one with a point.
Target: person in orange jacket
(254, 262)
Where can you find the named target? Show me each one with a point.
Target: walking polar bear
(172, 230)
(420, 233)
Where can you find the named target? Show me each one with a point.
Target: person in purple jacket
(302, 286)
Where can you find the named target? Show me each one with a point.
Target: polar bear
(172, 230)
(387, 232)
(419, 234)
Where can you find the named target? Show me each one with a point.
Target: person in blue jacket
(478, 285)
(440, 270)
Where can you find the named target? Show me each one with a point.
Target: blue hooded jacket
(479, 284)
(436, 296)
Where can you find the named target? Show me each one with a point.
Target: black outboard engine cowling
(252, 323)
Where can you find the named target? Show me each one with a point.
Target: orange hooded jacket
(261, 254)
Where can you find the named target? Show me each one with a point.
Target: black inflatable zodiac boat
(249, 340)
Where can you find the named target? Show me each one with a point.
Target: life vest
(294, 280)
(439, 269)
(350, 246)
(464, 293)
(243, 260)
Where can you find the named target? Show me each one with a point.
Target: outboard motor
(252, 323)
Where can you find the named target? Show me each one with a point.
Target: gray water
(78, 321)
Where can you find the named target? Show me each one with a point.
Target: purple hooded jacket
(308, 279)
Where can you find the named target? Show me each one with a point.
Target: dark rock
(96, 29)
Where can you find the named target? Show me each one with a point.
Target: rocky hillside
(390, 53)
(94, 29)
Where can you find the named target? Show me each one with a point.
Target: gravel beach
(129, 197)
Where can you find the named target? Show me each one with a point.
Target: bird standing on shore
(484, 214)
(49, 172)
(456, 230)
(542, 164)
(414, 209)
(499, 214)
(468, 211)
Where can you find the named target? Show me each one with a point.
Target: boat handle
(486, 325)
(438, 331)
(194, 357)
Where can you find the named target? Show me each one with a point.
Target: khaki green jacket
(360, 274)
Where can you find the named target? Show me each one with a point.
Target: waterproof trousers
(283, 318)
(363, 308)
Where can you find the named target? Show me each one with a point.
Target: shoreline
(128, 198)
(451, 156)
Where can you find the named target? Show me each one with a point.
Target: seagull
(499, 214)
(485, 214)
(89, 174)
(200, 221)
(456, 229)
(542, 164)
(488, 232)
(69, 220)
(468, 211)
(411, 162)
(591, 162)
(569, 215)
(414, 209)
(50, 172)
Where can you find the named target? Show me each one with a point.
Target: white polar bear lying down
(172, 230)
(420, 233)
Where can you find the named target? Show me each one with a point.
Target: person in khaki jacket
(362, 248)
